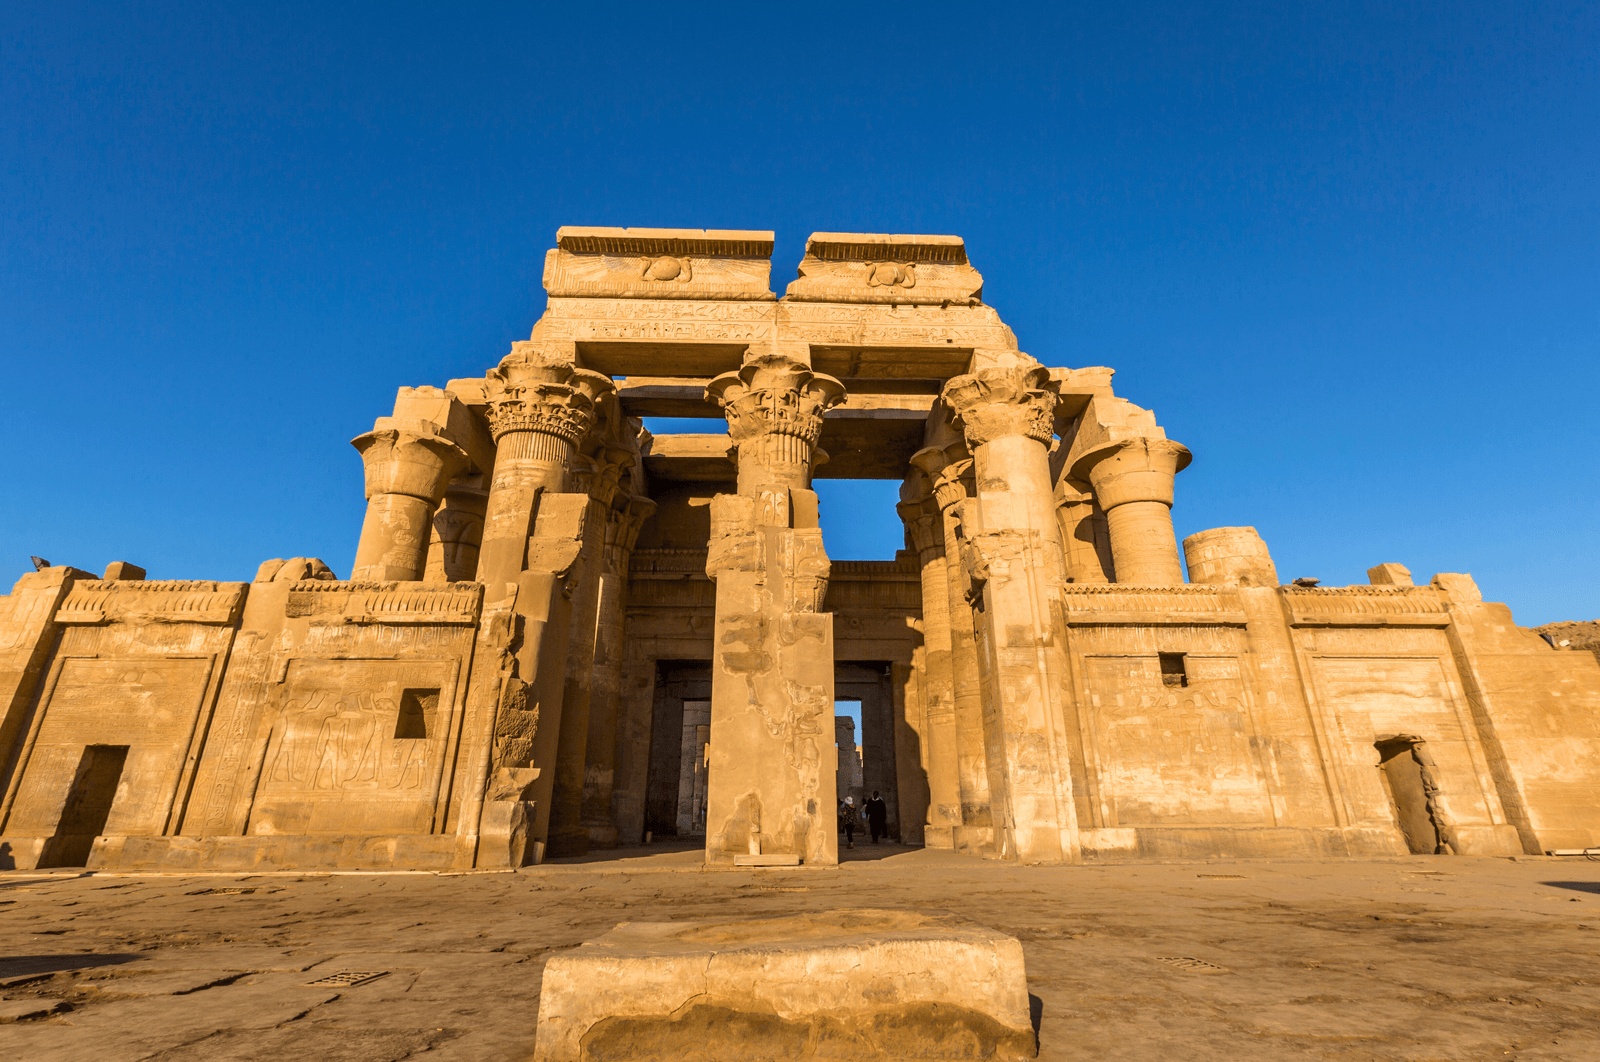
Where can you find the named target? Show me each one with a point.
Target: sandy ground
(1416, 959)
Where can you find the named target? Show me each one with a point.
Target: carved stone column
(772, 758)
(1133, 483)
(1015, 568)
(538, 413)
(950, 468)
(1081, 521)
(598, 475)
(408, 464)
(774, 407)
(925, 532)
(458, 531)
(623, 522)
(539, 410)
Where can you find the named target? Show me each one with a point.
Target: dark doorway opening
(869, 683)
(1406, 777)
(83, 818)
(675, 788)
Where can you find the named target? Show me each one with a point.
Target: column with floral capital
(1015, 569)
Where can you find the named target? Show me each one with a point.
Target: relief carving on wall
(340, 742)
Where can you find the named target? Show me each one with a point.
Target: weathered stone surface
(548, 605)
(862, 984)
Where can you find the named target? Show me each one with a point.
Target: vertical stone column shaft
(772, 762)
(408, 466)
(605, 697)
(1015, 562)
(925, 528)
(458, 531)
(1075, 511)
(539, 410)
(1133, 482)
(952, 480)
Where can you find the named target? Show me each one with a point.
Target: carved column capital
(924, 527)
(775, 395)
(949, 471)
(624, 522)
(994, 403)
(610, 462)
(410, 459)
(529, 396)
(1134, 470)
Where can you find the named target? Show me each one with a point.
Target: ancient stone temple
(564, 633)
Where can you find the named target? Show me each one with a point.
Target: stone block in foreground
(854, 984)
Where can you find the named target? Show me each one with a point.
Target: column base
(977, 840)
(938, 837)
(603, 837)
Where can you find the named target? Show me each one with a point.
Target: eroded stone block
(857, 984)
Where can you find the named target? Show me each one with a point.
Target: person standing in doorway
(877, 813)
(847, 820)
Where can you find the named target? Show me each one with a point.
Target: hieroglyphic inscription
(645, 320)
(335, 762)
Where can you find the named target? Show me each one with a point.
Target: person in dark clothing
(847, 820)
(877, 813)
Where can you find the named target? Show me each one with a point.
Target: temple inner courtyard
(1411, 959)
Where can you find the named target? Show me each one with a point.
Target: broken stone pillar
(925, 531)
(772, 763)
(1015, 566)
(623, 522)
(408, 465)
(539, 410)
(858, 984)
(950, 467)
(1229, 556)
(1133, 481)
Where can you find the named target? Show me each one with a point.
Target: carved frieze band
(403, 604)
(174, 601)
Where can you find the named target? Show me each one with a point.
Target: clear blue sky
(1348, 252)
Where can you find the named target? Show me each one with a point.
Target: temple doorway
(867, 684)
(88, 805)
(675, 790)
(1407, 780)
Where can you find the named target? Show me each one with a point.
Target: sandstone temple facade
(562, 633)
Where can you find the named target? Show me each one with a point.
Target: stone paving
(1419, 959)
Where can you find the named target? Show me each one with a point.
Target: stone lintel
(1076, 387)
(662, 357)
(685, 396)
(690, 458)
(901, 270)
(678, 264)
(860, 443)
